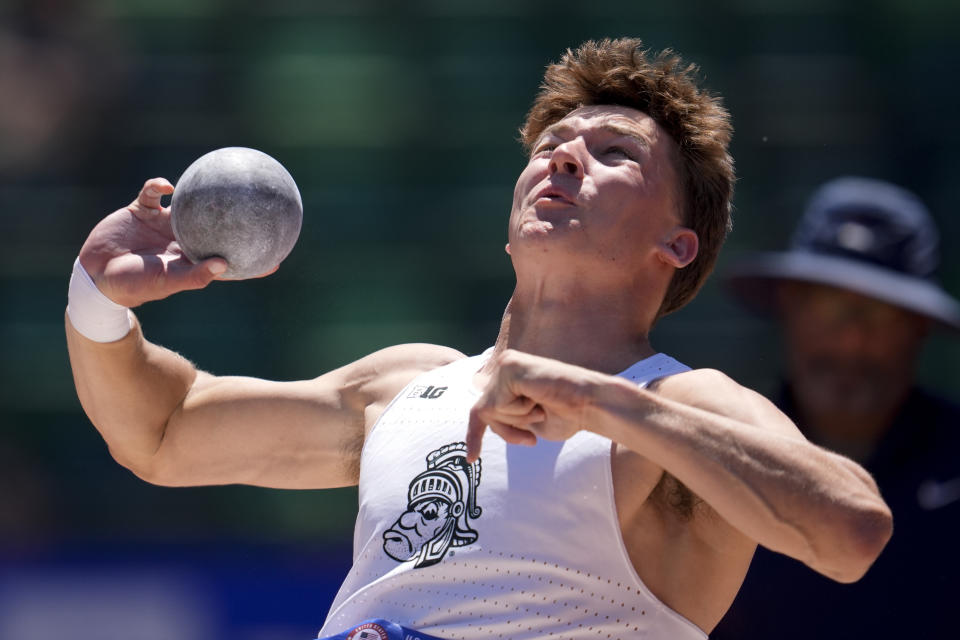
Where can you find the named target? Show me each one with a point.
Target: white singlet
(524, 544)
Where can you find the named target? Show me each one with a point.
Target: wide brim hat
(865, 236)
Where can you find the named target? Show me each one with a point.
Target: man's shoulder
(391, 368)
(414, 356)
(694, 384)
(715, 391)
(373, 381)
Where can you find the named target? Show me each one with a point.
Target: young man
(646, 486)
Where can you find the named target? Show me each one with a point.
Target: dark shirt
(913, 589)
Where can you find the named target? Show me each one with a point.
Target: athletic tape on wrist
(93, 314)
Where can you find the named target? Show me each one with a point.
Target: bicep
(301, 434)
(295, 435)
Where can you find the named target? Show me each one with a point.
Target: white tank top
(523, 544)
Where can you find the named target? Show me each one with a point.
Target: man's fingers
(182, 274)
(518, 406)
(536, 414)
(512, 434)
(520, 411)
(267, 273)
(515, 431)
(475, 430)
(147, 206)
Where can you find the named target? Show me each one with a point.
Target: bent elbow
(872, 535)
(147, 468)
(150, 475)
(866, 534)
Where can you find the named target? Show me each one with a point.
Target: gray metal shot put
(238, 204)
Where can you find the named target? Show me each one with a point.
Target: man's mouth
(552, 194)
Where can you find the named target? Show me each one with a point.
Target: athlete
(570, 481)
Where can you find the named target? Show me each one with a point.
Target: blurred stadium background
(398, 121)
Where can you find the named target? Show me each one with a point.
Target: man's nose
(566, 158)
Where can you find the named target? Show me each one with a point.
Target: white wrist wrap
(93, 314)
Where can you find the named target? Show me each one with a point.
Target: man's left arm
(726, 443)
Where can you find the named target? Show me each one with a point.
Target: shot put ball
(238, 204)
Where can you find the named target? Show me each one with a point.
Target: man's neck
(603, 333)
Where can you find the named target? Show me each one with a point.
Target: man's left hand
(527, 397)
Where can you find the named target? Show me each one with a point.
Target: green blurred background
(399, 123)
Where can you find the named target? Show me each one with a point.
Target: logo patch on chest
(440, 503)
(427, 392)
(369, 631)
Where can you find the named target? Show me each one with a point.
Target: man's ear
(680, 247)
(507, 249)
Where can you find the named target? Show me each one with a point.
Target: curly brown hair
(621, 72)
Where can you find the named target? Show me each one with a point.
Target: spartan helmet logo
(439, 502)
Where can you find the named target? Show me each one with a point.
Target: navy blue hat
(863, 235)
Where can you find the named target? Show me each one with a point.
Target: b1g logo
(430, 393)
(440, 503)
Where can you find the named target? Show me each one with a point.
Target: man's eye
(544, 148)
(619, 151)
(429, 513)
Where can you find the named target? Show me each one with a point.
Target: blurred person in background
(856, 297)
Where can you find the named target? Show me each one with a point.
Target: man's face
(847, 354)
(600, 182)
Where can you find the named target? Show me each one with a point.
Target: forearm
(129, 389)
(780, 490)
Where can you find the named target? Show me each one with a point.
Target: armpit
(350, 450)
(673, 495)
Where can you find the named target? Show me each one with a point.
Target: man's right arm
(174, 425)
